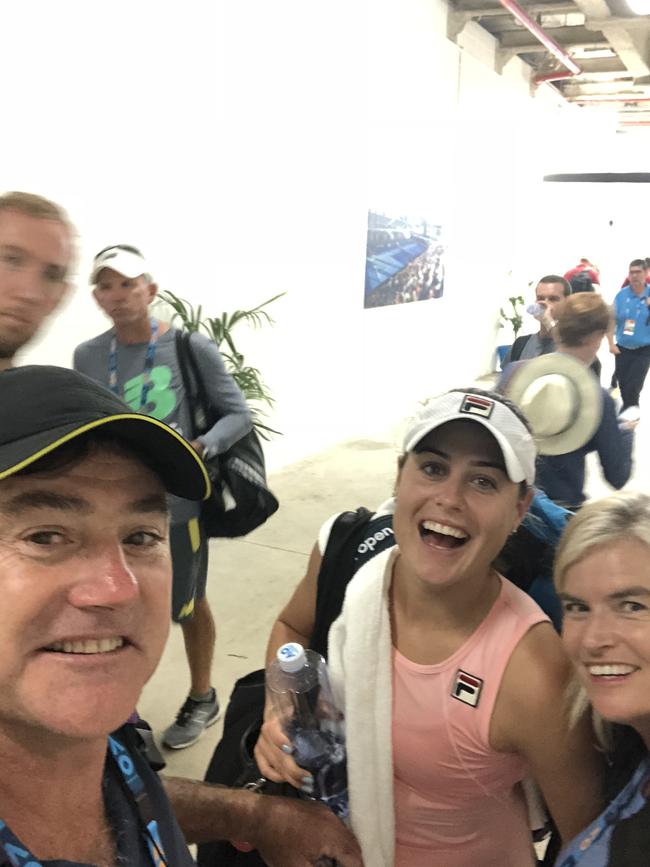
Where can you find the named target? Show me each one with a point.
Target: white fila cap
(125, 262)
(488, 409)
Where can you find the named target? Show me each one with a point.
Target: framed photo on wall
(405, 259)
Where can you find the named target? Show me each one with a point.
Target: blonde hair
(625, 515)
(579, 316)
(35, 206)
(43, 209)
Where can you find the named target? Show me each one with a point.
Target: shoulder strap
(346, 552)
(192, 384)
(518, 347)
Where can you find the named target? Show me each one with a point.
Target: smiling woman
(451, 678)
(602, 575)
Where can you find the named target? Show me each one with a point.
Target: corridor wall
(240, 146)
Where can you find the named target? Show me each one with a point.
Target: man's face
(549, 295)
(35, 256)
(85, 587)
(125, 300)
(637, 276)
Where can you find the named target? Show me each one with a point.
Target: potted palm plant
(220, 330)
(510, 315)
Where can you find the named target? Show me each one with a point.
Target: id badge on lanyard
(148, 366)
(20, 856)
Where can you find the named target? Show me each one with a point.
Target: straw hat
(561, 399)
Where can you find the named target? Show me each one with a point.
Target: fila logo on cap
(467, 688)
(476, 405)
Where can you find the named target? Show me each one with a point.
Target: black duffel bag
(241, 468)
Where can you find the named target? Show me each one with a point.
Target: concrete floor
(250, 579)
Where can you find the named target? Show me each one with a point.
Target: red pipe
(533, 27)
(553, 76)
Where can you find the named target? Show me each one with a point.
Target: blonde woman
(603, 577)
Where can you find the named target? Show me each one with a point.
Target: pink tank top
(457, 803)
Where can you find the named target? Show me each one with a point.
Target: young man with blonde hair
(36, 254)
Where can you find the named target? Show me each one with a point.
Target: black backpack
(355, 538)
(349, 546)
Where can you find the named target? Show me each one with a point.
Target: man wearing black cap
(137, 360)
(85, 583)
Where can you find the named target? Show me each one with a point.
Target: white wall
(241, 144)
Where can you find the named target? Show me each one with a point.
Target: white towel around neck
(360, 665)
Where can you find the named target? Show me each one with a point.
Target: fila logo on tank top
(467, 688)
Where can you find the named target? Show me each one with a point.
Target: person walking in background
(585, 273)
(631, 343)
(136, 358)
(549, 292)
(626, 282)
(570, 413)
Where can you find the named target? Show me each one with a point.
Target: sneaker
(192, 720)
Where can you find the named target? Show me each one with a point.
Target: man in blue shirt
(632, 341)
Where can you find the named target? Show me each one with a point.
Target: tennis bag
(241, 468)
(355, 538)
(233, 762)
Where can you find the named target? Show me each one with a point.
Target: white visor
(127, 264)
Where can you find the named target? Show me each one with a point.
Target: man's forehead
(125, 472)
(44, 237)
(550, 288)
(63, 492)
(109, 274)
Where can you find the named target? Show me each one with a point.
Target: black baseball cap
(45, 407)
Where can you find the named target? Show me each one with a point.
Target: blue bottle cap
(291, 657)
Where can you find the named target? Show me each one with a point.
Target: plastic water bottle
(299, 686)
(535, 309)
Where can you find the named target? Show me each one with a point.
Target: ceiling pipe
(553, 76)
(588, 100)
(533, 27)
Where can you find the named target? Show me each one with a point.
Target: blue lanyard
(20, 856)
(148, 365)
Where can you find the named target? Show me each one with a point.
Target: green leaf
(219, 329)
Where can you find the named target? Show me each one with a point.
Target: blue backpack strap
(355, 538)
